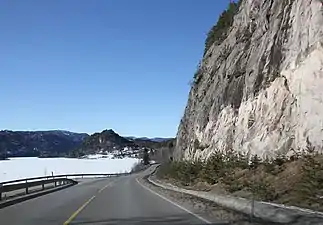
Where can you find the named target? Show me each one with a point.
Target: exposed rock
(259, 91)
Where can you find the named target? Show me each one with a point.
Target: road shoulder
(203, 208)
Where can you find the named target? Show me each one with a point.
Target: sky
(90, 65)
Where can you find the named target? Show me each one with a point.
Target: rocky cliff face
(260, 90)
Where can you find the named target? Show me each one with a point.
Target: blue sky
(85, 66)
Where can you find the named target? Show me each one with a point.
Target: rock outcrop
(260, 90)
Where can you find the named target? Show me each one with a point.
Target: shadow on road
(175, 219)
(142, 220)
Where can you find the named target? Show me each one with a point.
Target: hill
(106, 141)
(155, 139)
(38, 143)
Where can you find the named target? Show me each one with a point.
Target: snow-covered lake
(19, 168)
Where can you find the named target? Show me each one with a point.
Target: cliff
(259, 87)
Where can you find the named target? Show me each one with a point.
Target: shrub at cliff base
(297, 180)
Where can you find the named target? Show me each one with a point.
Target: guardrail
(57, 180)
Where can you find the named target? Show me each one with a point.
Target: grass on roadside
(297, 180)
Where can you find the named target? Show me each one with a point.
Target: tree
(219, 31)
(255, 162)
(145, 157)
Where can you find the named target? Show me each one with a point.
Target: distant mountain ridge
(38, 143)
(110, 141)
(155, 139)
(63, 143)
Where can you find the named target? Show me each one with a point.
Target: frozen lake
(19, 168)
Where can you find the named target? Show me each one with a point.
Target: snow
(99, 156)
(19, 168)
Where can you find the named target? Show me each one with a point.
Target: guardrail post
(0, 192)
(55, 184)
(43, 185)
(26, 187)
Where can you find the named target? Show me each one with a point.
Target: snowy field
(19, 168)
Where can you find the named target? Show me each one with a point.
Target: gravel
(206, 209)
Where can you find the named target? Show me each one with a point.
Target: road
(119, 200)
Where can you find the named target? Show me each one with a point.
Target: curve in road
(119, 200)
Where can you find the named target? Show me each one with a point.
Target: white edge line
(170, 201)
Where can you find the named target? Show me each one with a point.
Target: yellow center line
(105, 187)
(84, 205)
(78, 211)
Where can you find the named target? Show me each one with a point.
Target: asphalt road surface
(120, 200)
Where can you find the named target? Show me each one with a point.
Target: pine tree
(255, 162)
(219, 31)
(145, 157)
(310, 189)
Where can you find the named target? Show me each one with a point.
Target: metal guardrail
(64, 176)
(57, 180)
(27, 185)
